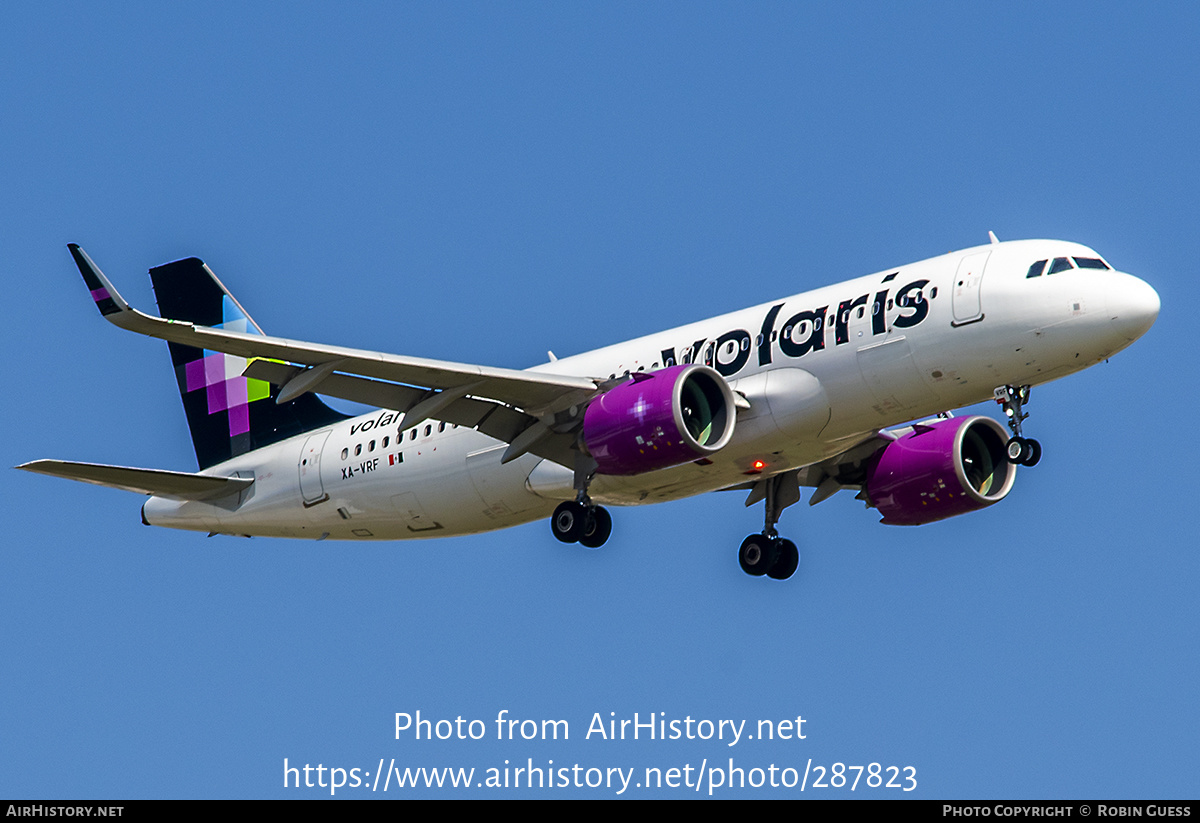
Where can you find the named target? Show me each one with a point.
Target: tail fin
(228, 414)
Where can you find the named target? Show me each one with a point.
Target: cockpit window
(1090, 263)
(1036, 269)
(1060, 264)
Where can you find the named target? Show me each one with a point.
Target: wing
(846, 470)
(518, 407)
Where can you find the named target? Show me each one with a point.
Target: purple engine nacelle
(659, 419)
(940, 470)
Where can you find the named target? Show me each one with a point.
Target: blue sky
(483, 182)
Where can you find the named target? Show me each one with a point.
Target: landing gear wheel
(569, 521)
(786, 561)
(1033, 453)
(1026, 452)
(758, 554)
(597, 527)
(1017, 450)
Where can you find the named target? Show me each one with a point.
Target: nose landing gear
(1020, 449)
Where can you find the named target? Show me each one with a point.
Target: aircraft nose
(1133, 307)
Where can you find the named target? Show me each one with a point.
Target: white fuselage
(823, 370)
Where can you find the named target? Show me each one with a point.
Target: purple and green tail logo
(220, 375)
(228, 415)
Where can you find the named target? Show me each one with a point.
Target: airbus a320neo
(814, 390)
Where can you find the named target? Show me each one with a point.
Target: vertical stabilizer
(228, 414)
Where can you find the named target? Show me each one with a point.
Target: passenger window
(385, 442)
(428, 429)
(441, 427)
(412, 435)
(1060, 264)
(358, 450)
(1090, 263)
(371, 446)
(1036, 269)
(345, 453)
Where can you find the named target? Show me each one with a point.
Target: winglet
(108, 299)
(112, 305)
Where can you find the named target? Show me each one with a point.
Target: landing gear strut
(768, 553)
(1020, 449)
(580, 520)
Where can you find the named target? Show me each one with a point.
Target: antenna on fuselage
(992, 236)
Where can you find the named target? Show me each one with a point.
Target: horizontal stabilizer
(154, 482)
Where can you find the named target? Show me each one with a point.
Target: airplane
(817, 390)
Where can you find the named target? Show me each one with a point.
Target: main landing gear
(768, 553)
(1022, 450)
(580, 520)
